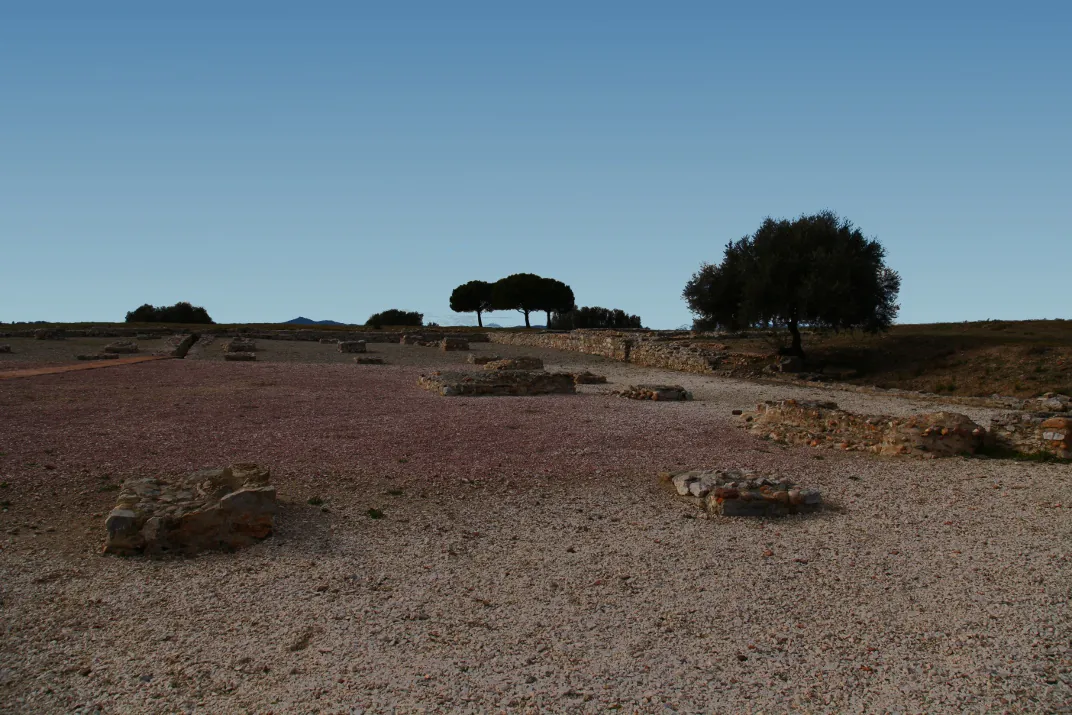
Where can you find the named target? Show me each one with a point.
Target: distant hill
(306, 321)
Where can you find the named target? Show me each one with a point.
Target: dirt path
(89, 365)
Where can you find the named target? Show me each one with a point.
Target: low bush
(181, 312)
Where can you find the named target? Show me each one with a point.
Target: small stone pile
(743, 493)
(213, 509)
(588, 378)
(475, 359)
(448, 344)
(370, 360)
(240, 345)
(518, 363)
(352, 346)
(823, 424)
(661, 393)
(1049, 402)
(518, 383)
(121, 347)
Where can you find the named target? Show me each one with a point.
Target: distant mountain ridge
(307, 321)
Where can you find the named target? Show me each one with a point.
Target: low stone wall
(658, 393)
(823, 424)
(615, 346)
(674, 356)
(516, 383)
(1034, 433)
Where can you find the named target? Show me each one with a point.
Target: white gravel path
(528, 560)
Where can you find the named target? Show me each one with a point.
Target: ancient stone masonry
(48, 334)
(1049, 402)
(121, 347)
(240, 345)
(499, 383)
(610, 345)
(1034, 433)
(477, 359)
(370, 360)
(743, 493)
(823, 424)
(588, 378)
(675, 356)
(663, 393)
(178, 346)
(448, 344)
(518, 363)
(240, 357)
(352, 346)
(214, 509)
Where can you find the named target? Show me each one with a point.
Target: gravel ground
(527, 560)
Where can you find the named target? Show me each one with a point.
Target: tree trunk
(796, 348)
(548, 323)
(478, 320)
(526, 318)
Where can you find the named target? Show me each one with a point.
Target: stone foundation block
(352, 346)
(518, 383)
(240, 357)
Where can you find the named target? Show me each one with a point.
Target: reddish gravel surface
(527, 559)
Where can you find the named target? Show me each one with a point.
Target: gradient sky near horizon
(268, 160)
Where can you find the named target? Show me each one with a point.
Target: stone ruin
(1046, 433)
(48, 334)
(240, 345)
(352, 346)
(121, 347)
(475, 359)
(370, 360)
(239, 357)
(823, 424)
(328, 341)
(588, 378)
(213, 509)
(518, 383)
(177, 346)
(662, 393)
(743, 493)
(518, 363)
(448, 344)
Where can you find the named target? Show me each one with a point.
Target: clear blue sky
(268, 160)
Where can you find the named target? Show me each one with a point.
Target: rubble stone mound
(240, 357)
(370, 360)
(1033, 433)
(517, 383)
(475, 359)
(213, 509)
(48, 334)
(662, 393)
(5, 348)
(824, 424)
(737, 492)
(588, 378)
(177, 346)
(99, 356)
(1049, 402)
(121, 347)
(518, 363)
(449, 344)
(352, 346)
(412, 339)
(240, 345)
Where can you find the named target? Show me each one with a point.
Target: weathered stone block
(178, 346)
(240, 345)
(214, 509)
(240, 357)
(518, 363)
(370, 360)
(656, 392)
(352, 346)
(48, 334)
(743, 493)
(448, 344)
(120, 347)
(475, 359)
(412, 339)
(588, 378)
(499, 383)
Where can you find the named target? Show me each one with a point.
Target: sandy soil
(528, 559)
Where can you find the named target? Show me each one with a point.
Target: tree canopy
(472, 297)
(395, 317)
(528, 292)
(595, 318)
(181, 312)
(817, 271)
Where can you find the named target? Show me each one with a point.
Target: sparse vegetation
(395, 317)
(181, 312)
(315, 501)
(374, 513)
